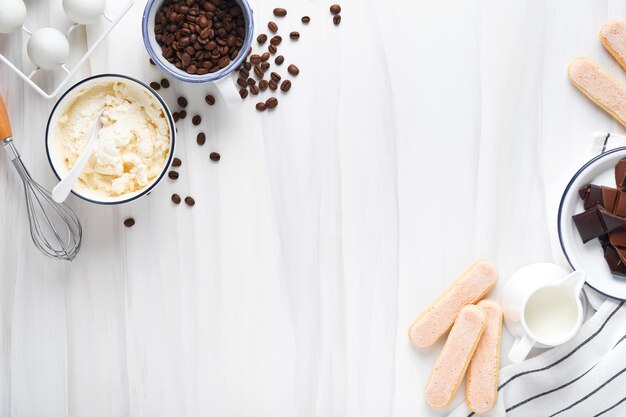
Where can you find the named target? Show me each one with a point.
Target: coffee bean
(254, 89)
(272, 49)
(196, 120)
(255, 59)
(285, 86)
(175, 198)
(201, 138)
(263, 84)
(273, 27)
(258, 71)
(251, 81)
(265, 66)
(335, 9)
(294, 35)
(210, 100)
(305, 20)
(152, 62)
(173, 175)
(265, 56)
(261, 39)
(165, 83)
(190, 201)
(280, 12)
(244, 73)
(271, 102)
(182, 102)
(279, 60)
(247, 66)
(130, 222)
(243, 93)
(175, 116)
(261, 106)
(337, 19)
(155, 85)
(275, 76)
(241, 82)
(215, 156)
(273, 85)
(176, 162)
(182, 114)
(276, 40)
(293, 70)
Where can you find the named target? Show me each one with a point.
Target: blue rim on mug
(171, 125)
(179, 74)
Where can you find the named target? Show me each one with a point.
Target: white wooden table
(417, 137)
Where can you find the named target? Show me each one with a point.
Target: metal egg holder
(48, 48)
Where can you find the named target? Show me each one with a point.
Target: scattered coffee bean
(279, 60)
(261, 39)
(244, 73)
(294, 35)
(196, 120)
(175, 198)
(285, 86)
(254, 89)
(337, 19)
(176, 162)
(190, 201)
(265, 56)
(243, 93)
(200, 36)
(272, 49)
(247, 66)
(201, 138)
(210, 100)
(335, 9)
(258, 71)
(271, 102)
(280, 12)
(251, 81)
(255, 59)
(182, 114)
(265, 66)
(261, 106)
(276, 40)
(293, 70)
(173, 175)
(182, 102)
(273, 85)
(305, 20)
(241, 82)
(165, 83)
(263, 84)
(155, 85)
(215, 156)
(152, 62)
(175, 116)
(275, 76)
(273, 27)
(130, 222)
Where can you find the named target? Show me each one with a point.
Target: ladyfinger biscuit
(613, 37)
(601, 87)
(455, 356)
(437, 318)
(481, 385)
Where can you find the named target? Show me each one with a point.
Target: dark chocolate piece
(611, 221)
(609, 198)
(620, 174)
(618, 238)
(614, 260)
(589, 224)
(594, 195)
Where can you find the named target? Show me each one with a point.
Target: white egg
(83, 12)
(12, 15)
(48, 48)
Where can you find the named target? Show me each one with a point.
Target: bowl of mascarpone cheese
(135, 145)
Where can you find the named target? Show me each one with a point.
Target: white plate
(590, 256)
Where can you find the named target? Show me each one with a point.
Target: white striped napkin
(584, 377)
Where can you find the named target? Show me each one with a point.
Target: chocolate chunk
(614, 260)
(618, 238)
(593, 195)
(620, 204)
(611, 221)
(620, 173)
(589, 224)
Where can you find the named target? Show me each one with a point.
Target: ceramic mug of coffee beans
(199, 41)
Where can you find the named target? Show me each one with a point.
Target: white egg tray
(67, 71)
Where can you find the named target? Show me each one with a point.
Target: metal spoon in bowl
(63, 188)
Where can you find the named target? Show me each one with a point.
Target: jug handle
(520, 349)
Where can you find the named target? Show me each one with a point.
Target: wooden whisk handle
(5, 125)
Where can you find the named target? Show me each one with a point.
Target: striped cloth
(584, 377)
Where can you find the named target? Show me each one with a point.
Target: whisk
(54, 227)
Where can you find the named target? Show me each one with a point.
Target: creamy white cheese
(133, 144)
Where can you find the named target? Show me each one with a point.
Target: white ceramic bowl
(589, 257)
(56, 160)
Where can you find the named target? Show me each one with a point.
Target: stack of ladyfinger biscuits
(473, 344)
(593, 81)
